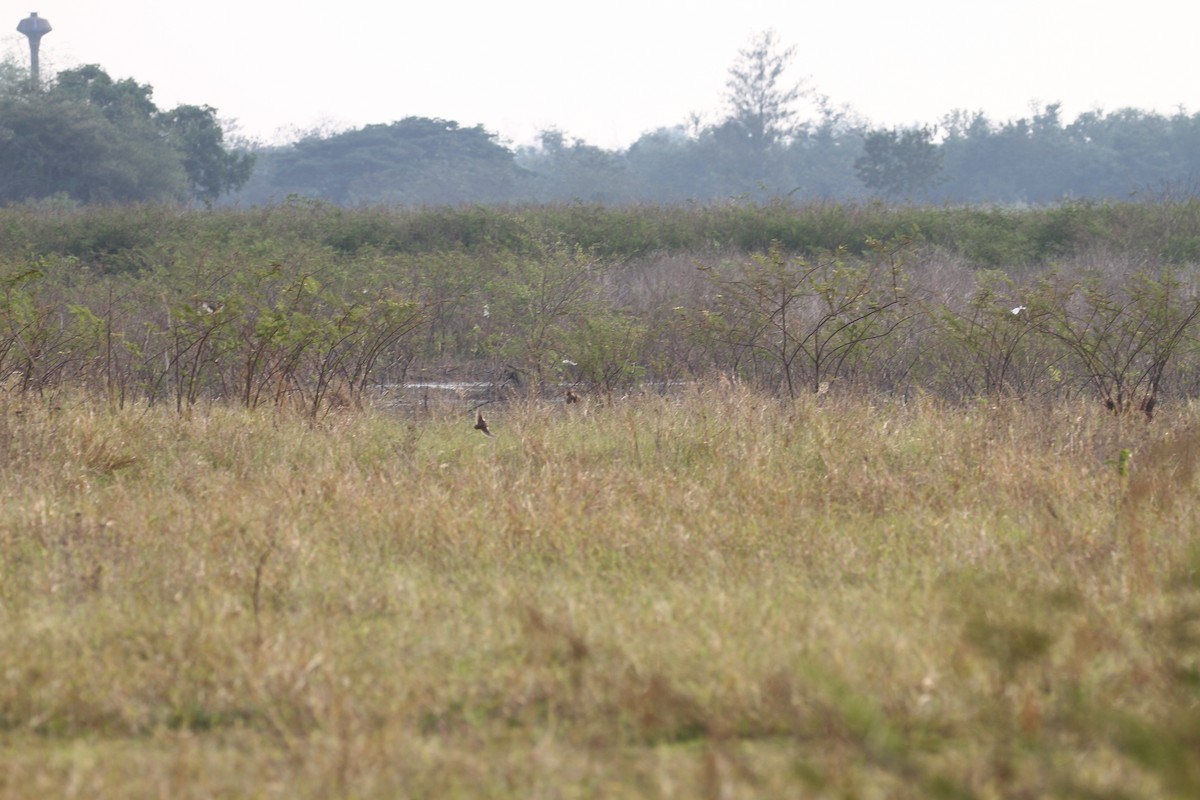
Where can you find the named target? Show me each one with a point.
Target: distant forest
(86, 138)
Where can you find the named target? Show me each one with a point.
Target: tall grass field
(713, 593)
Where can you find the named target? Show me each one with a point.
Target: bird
(481, 425)
(572, 397)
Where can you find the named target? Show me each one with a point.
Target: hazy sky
(607, 72)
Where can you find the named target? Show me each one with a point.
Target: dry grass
(710, 596)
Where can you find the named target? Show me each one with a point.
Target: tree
(899, 163)
(415, 160)
(12, 75)
(574, 171)
(50, 145)
(762, 107)
(796, 324)
(211, 169)
(667, 165)
(537, 307)
(115, 99)
(822, 154)
(1123, 334)
(97, 140)
(988, 348)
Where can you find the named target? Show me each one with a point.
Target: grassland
(718, 594)
(924, 561)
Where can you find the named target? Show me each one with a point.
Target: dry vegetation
(720, 594)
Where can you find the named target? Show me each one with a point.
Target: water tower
(35, 28)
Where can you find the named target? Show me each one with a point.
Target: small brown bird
(572, 397)
(481, 425)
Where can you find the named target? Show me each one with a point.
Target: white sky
(608, 72)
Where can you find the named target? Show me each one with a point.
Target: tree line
(88, 138)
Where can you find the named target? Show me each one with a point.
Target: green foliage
(319, 304)
(50, 144)
(762, 109)
(92, 139)
(574, 171)
(92, 86)
(413, 161)
(531, 304)
(899, 164)
(804, 324)
(990, 349)
(95, 140)
(211, 169)
(280, 336)
(43, 344)
(1124, 335)
(607, 348)
(764, 150)
(1123, 459)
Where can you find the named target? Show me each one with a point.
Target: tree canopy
(91, 139)
(899, 163)
(778, 139)
(763, 109)
(412, 161)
